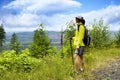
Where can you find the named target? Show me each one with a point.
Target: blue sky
(26, 15)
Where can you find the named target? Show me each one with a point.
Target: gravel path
(109, 72)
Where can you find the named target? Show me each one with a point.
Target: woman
(78, 42)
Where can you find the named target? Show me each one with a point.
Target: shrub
(100, 34)
(117, 36)
(9, 60)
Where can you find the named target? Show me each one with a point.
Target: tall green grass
(57, 68)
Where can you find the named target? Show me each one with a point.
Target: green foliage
(15, 44)
(9, 60)
(51, 67)
(117, 36)
(68, 33)
(100, 34)
(2, 36)
(54, 67)
(41, 45)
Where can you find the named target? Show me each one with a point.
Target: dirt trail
(110, 72)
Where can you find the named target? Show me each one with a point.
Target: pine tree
(2, 36)
(15, 43)
(41, 43)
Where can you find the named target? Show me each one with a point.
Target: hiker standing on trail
(78, 42)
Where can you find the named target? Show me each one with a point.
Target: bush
(54, 67)
(117, 36)
(9, 60)
(100, 34)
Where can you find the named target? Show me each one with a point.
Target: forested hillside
(26, 38)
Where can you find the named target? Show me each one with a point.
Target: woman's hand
(78, 48)
(70, 38)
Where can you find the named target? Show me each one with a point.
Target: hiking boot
(81, 70)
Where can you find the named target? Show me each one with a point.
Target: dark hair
(81, 20)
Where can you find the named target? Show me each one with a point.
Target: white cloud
(33, 12)
(110, 15)
(0, 22)
(28, 18)
(19, 29)
(21, 20)
(42, 6)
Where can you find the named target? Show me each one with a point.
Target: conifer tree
(15, 43)
(2, 36)
(41, 43)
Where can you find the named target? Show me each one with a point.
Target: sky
(26, 15)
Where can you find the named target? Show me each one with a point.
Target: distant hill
(26, 37)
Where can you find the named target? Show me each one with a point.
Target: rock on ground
(110, 72)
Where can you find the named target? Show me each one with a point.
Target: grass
(56, 68)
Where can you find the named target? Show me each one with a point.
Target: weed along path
(111, 71)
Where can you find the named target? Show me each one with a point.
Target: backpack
(87, 38)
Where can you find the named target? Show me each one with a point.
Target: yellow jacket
(79, 35)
